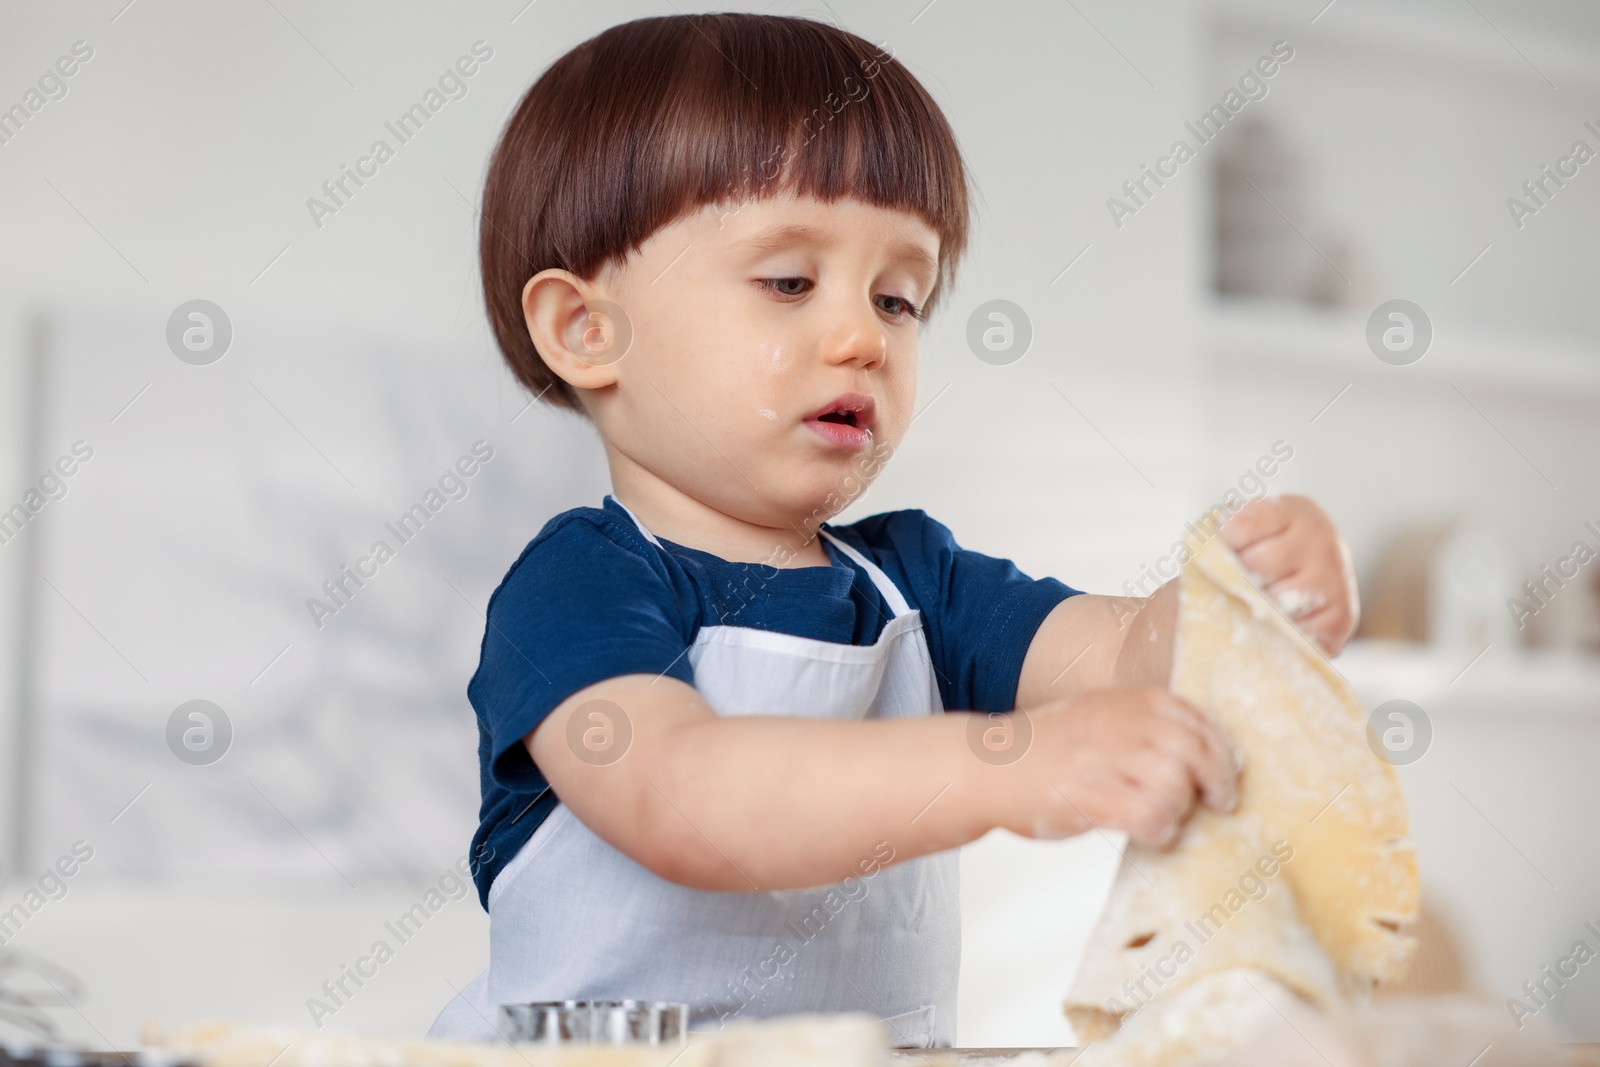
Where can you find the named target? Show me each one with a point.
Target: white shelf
(1505, 681)
(1334, 344)
(1440, 34)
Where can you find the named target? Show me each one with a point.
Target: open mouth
(846, 423)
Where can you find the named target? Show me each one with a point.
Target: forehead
(773, 224)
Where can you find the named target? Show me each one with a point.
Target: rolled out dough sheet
(842, 1040)
(1304, 886)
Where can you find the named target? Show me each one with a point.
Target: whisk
(30, 987)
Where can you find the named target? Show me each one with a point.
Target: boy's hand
(1291, 546)
(1129, 759)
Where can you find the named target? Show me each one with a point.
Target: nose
(857, 338)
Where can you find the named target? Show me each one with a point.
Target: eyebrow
(779, 238)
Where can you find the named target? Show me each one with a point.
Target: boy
(715, 757)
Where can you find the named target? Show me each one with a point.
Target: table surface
(913, 1055)
(1578, 1054)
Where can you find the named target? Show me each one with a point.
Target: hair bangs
(656, 118)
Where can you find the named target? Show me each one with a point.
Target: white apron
(573, 918)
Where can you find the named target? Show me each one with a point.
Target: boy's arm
(767, 802)
(759, 802)
(1288, 544)
(1090, 641)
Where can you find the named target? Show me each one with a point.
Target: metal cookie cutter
(596, 1022)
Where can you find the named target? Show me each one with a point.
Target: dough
(846, 1040)
(1304, 886)
(1201, 1024)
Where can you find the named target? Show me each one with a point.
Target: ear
(579, 335)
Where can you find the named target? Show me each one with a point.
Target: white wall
(178, 165)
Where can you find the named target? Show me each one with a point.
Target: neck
(673, 515)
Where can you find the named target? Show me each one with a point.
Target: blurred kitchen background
(1173, 345)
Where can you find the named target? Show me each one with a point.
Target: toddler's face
(773, 361)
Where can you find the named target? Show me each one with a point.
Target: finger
(1322, 600)
(1166, 778)
(1300, 596)
(1275, 558)
(1330, 628)
(1209, 763)
(1153, 821)
(1203, 726)
(1258, 519)
(1320, 627)
(1085, 795)
(1213, 760)
(1108, 801)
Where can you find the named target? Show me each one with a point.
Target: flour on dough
(1301, 890)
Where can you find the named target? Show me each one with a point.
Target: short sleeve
(585, 602)
(980, 613)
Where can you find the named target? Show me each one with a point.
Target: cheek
(773, 358)
(900, 396)
(739, 387)
(675, 348)
(769, 376)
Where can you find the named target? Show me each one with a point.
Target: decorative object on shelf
(1266, 242)
(1564, 617)
(1443, 582)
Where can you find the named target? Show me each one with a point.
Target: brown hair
(650, 120)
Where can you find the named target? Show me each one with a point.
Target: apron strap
(887, 589)
(648, 536)
(891, 594)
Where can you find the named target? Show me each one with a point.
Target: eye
(786, 286)
(901, 306)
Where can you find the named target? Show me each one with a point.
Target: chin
(824, 497)
(804, 491)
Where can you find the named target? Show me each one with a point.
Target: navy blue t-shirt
(591, 598)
